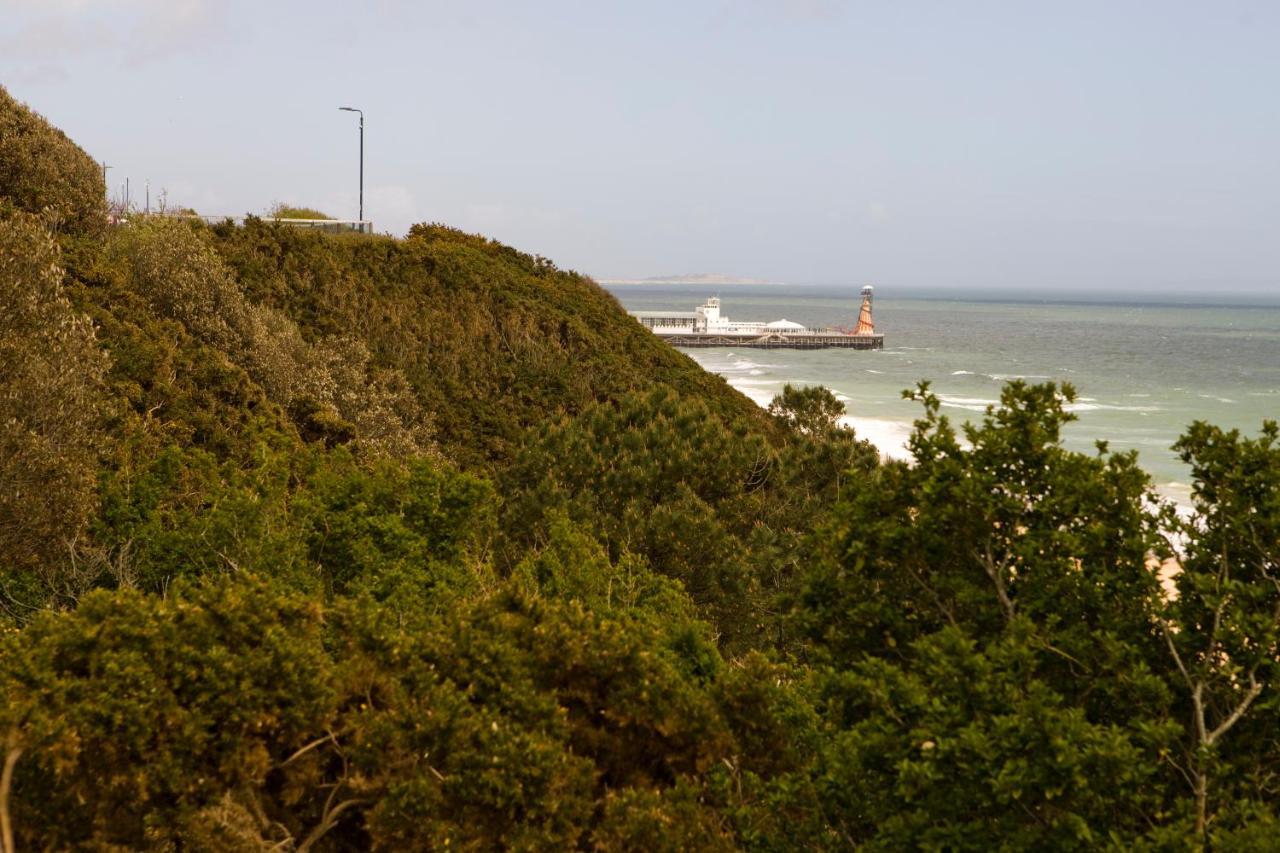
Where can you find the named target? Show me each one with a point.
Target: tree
(973, 534)
(1222, 629)
(810, 411)
(983, 625)
(656, 477)
(971, 741)
(52, 403)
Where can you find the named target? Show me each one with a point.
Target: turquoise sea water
(1143, 370)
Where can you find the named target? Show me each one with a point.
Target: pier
(804, 340)
(707, 327)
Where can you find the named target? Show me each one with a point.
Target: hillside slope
(491, 340)
(324, 542)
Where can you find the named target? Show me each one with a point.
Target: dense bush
(507, 722)
(489, 340)
(328, 384)
(44, 172)
(53, 406)
(661, 479)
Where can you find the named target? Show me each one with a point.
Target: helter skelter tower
(866, 326)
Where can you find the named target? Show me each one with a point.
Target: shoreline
(890, 435)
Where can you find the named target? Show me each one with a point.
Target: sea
(1143, 367)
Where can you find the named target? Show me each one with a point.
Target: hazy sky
(1022, 144)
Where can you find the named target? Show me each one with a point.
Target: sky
(1019, 145)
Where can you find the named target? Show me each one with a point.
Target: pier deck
(776, 341)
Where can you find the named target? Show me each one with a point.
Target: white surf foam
(1082, 406)
(889, 436)
(972, 404)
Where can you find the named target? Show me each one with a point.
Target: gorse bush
(506, 722)
(329, 384)
(53, 405)
(43, 172)
(335, 542)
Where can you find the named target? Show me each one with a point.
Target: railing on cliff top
(329, 226)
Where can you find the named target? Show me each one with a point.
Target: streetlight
(354, 110)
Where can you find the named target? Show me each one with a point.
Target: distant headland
(708, 278)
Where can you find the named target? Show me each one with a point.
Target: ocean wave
(972, 404)
(1180, 494)
(1084, 404)
(1001, 377)
(733, 364)
(1081, 406)
(1217, 399)
(889, 436)
(877, 372)
(758, 396)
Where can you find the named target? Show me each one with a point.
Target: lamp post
(354, 110)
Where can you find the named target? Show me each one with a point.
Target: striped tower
(866, 326)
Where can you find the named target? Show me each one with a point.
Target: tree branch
(307, 748)
(327, 822)
(12, 754)
(1254, 689)
(996, 573)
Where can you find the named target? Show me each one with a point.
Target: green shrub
(52, 409)
(280, 210)
(44, 172)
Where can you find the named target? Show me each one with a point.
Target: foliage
(663, 480)
(43, 172)
(810, 411)
(280, 210)
(969, 743)
(328, 385)
(1007, 523)
(1223, 627)
(1029, 678)
(406, 533)
(489, 340)
(52, 409)
(504, 723)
